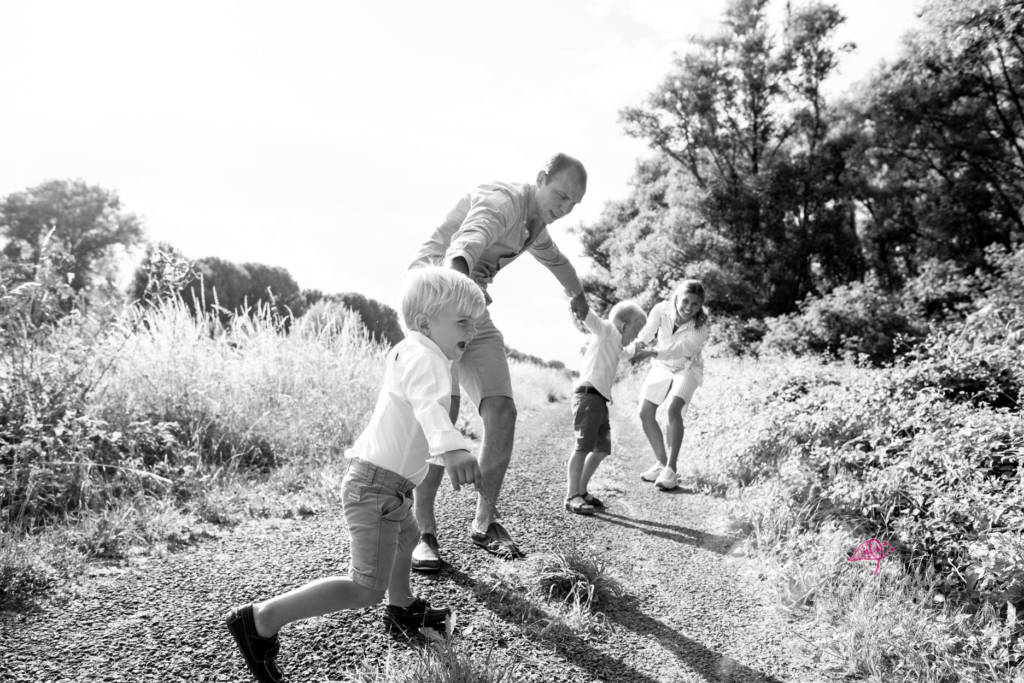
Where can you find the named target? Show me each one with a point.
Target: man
(488, 229)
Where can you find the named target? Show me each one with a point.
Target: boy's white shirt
(602, 355)
(410, 426)
(676, 351)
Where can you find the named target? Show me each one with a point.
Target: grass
(906, 623)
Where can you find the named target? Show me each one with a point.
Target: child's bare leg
(424, 495)
(675, 429)
(312, 600)
(652, 431)
(423, 499)
(574, 471)
(589, 467)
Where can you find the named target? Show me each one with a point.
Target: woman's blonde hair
(434, 289)
(696, 288)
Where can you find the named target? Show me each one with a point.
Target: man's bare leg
(499, 417)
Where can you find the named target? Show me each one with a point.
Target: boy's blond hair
(433, 289)
(628, 312)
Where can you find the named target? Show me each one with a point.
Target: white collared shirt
(602, 355)
(678, 350)
(410, 426)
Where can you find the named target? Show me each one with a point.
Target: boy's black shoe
(419, 613)
(258, 652)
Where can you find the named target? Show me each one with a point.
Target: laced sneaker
(651, 473)
(426, 555)
(418, 613)
(667, 480)
(259, 653)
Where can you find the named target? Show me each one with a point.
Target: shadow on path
(680, 534)
(516, 610)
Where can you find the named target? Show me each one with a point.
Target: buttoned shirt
(602, 355)
(410, 426)
(489, 228)
(679, 349)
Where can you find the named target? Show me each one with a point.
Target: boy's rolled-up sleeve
(427, 386)
(551, 257)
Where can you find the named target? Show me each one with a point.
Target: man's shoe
(594, 501)
(497, 541)
(667, 480)
(651, 474)
(426, 555)
(259, 653)
(419, 613)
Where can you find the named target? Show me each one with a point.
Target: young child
(410, 428)
(676, 371)
(591, 396)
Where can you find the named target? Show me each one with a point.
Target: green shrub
(856, 320)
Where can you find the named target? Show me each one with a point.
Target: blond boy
(593, 393)
(410, 428)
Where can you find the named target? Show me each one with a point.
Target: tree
(743, 117)
(86, 219)
(943, 166)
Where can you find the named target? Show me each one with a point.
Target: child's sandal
(578, 506)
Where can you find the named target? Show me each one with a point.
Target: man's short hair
(435, 289)
(628, 312)
(563, 162)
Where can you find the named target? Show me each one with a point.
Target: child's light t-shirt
(602, 355)
(679, 350)
(410, 426)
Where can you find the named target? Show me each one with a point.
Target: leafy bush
(856, 320)
(736, 336)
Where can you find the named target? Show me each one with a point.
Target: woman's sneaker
(419, 613)
(652, 473)
(667, 480)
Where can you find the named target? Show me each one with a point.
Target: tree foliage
(943, 162)
(748, 186)
(86, 220)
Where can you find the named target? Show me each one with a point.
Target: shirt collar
(427, 343)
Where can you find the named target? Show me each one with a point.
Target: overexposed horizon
(331, 138)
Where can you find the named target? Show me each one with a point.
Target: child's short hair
(433, 289)
(696, 288)
(628, 312)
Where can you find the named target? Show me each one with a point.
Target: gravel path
(692, 613)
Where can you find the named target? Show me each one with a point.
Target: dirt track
(694, 610)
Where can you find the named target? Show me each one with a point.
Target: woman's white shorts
(662, 383)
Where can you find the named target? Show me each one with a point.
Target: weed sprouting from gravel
(553, 593)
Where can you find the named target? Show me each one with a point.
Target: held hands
(462, 468)
(579, 306)
(642, 354)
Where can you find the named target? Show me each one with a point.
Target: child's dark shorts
(590, 420)
(381, 526)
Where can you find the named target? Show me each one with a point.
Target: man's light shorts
(381, 526)
(483, 369)
(661, 383)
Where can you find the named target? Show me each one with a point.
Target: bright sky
(331, 137)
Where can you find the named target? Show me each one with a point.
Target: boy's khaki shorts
(381, 526)
(661, 383)
(483, 369)
(591, 422)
